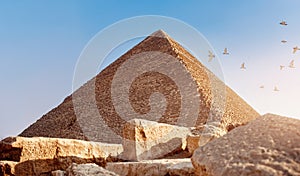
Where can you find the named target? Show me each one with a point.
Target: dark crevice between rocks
(177, 154)
(142, 133)
(10, 153)
(5, 170)
(231, 126)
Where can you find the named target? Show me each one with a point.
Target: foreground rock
(162, 167)
(7, 167)
(146, 140)
(39, 155)
(87, 170)
(269, 145)
(202, 136)
(58, 173)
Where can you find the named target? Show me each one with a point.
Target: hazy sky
(40, 42)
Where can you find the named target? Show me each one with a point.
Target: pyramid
(155, 80)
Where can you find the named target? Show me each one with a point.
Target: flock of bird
(211, 56)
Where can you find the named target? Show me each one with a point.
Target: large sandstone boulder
(42, 155)
(269, 145)
(161, 167)
(88, 170)
(144, 140)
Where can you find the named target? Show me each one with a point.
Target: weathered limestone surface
(58, 173)
(269, 145)
(201, 137)
(40, 155)
(161, 167)
(145, 140)
(182, 169)
(88, 170)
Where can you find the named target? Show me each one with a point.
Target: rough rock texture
(192, 142)
(145, 140)
(201, 137)
(269, 145)
(42, 155)
(58, 173)
(7, 168)
(183, 168)
(162, 167)
(88, 170)
(92, 112)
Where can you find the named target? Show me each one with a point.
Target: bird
(283, 41)
(295, 49)
(210, 56)
(281, 67)
(225, 52)
(262, 86)
(292, 64)
(276, 89)
(243, 66)
(283, 23)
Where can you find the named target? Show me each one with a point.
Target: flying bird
(225, 52)
(292, 64)
(210, 56)
(281, 67)
(243, 66)
(276, 89)
(283, 41)
(283, 23)
(262, 86)
(295, 49)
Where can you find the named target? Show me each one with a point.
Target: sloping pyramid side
(236, 110)
(94, 99)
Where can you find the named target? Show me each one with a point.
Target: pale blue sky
(40, 42)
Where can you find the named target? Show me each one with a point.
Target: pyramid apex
(160, 33)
